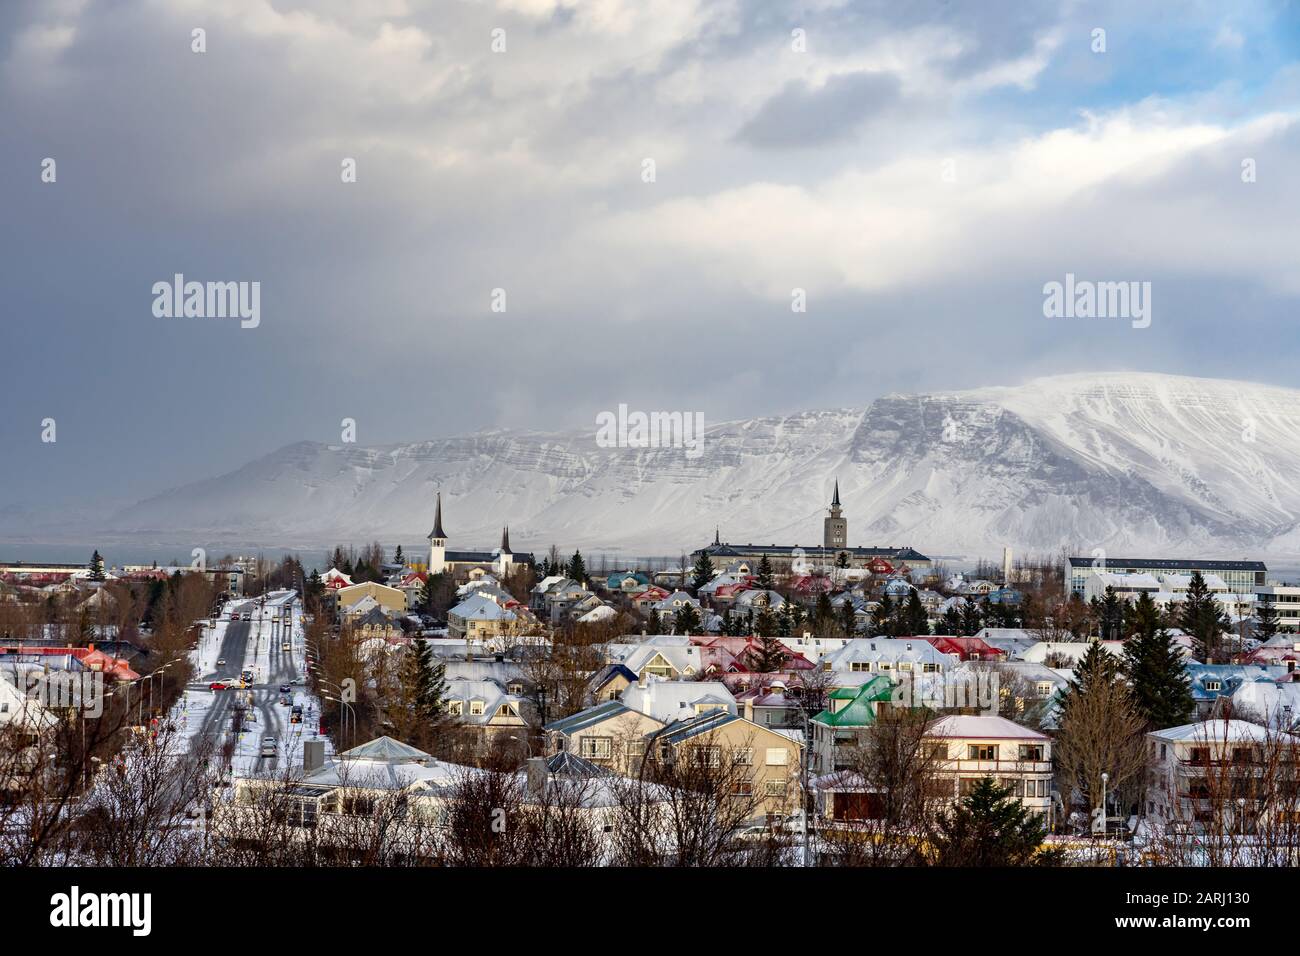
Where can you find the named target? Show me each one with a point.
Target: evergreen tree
(577, 569)
(398, 557)
(1154, 666)
(686, 620)
(989, 827)
(766, 580)
(785, 620)
(1203, 618)
(952, 622)
(882, 618)
(1266, 621)
(824, 616)
(972, 620)
(1110, 616)
(97, 567)
(1098, 668)
(848, 618)
(842, 559)
(765, 624)
(653, 624)
(768, 654)
(703, 572)
(431, 686)
(914, 614)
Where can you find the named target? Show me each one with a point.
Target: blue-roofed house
(765, 761)
(1214, 684)
(609, 684)
(610, 735)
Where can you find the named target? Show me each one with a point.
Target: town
(770, 705)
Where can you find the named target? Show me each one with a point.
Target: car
(218, 685)
(284, 688)
(234, 615)
(285, 700)
(269, 747)
(221, 662)
(286, 646)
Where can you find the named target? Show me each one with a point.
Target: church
(833, 551)
(460, 563)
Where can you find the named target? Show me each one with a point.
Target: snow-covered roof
(982, 727)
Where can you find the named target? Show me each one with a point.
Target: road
(254, 642)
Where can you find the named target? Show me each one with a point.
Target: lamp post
(1104, 778)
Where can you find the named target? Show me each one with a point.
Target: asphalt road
(243, 642)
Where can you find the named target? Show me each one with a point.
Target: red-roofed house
(967, 648)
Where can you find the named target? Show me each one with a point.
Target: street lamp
(339, 700)
(1104, 778)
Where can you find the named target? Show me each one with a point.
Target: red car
(218, 685)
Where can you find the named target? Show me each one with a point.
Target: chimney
(313, 756)
(537, 774)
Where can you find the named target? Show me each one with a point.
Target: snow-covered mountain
(1133, 463)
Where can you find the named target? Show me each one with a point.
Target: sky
(920, 171)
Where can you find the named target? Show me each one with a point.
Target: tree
(765, 625)
(1154, 667)
(914, 614)
(577, 569)
(1266, 621)
(766, 580)
(972, 618)
(686, 620)
(1100, 731)
(1203, 618)
(97, 567)
(824, 622)
(848, 618)
(768, 655)
(989, 827)
(431, 684)
(882, 618)
(1110, 615)
(398, 557)
(702, 573)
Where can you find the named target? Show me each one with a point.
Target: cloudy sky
(919, 169)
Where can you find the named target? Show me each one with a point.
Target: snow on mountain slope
(1128, 462)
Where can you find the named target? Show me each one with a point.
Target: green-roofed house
(838, 729)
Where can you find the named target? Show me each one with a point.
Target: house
(669, 657)
(1213, 685)
(1268, 702)
(610, 734)
(627, 582)
(487, 706)
(1240, 576)
(375, 623)
(960, 751)
(647, 599)
(969, 748)
(1204, 775)
(717, 736)
(884, 655)
(461, 564)
(478, 617)
(609, 683)
(772, 706)
(967, 648)
(667, 608)
(1012, 641)
(1073, 651)
(838, 730)
(347, 598)
(668, 700)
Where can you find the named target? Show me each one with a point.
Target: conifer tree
(577, 569)
(1203, 618)
(766, 579)
(1266, 620)
(1154, 667)
(988, 827)
(768, 654)
(972, 619)
(914, 614)
(848, 618)
(882, 618)
(686, 620)
(398, 557)
(703, 572)
(97, 567)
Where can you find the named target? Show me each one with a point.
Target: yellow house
(390, 599)
(610, 735)
(755, 762)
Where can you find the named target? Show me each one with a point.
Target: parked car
(221, 662)
(285, 689)
(218, 685)
(295, 715)
(268, 747)
(286, 646)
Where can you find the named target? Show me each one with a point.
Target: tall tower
(835, 529)
(437, 542)
(505, 557)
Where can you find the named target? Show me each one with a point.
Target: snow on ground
(255, 643)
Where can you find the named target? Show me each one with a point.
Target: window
(1213, 685)
(476, 708)
(982, 752)
(635, 749)
(744, 757)
(905, 666)
(775, 788)
(597, 748)
(777, 757)
(456, 707)
(517, 689)
(707, 756)
(929, 668)
(1031, 752)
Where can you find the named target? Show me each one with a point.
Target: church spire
(836, 500)
(437, 531)
(717, 535)
(505, 540)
